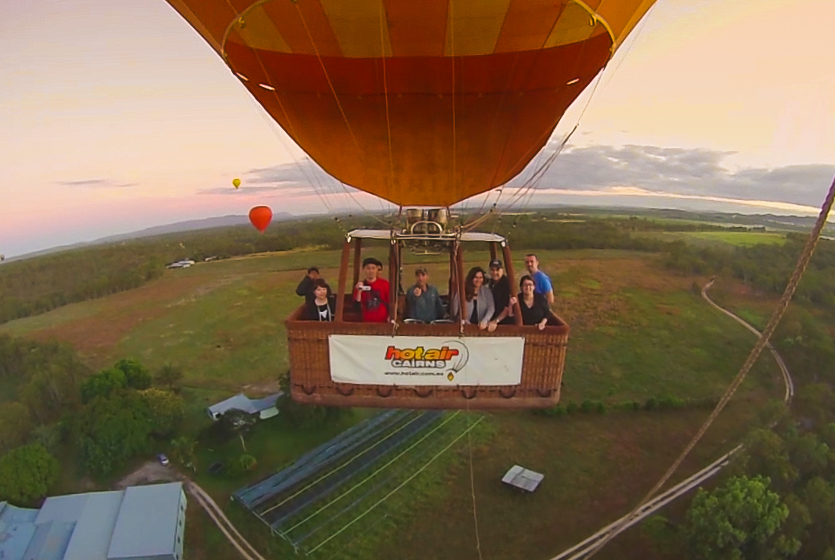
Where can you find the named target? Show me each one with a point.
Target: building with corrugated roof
(263, 408)
(140, 523)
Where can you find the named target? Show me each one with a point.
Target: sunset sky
(115, 116)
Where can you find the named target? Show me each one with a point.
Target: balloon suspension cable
(318, 188)
(386, 93)
(452, 62)
(524, 193)
(339, 106)
(802, 263)
(516, 121)
(327, 77)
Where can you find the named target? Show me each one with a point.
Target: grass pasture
(735, 238)
(637, 331)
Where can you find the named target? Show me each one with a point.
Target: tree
(241, 465)
(103, 384)
(49, 436)
(15, 425)
(26, 474)
(183, 452)
(52, 388)
(238, 422)
(137, 376)
(112, 430)
(765, 453)
(170, 377)
(165, 410)
(739, 520)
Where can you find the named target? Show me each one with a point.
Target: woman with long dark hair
(479, 306)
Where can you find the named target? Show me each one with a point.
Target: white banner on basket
(426, 360)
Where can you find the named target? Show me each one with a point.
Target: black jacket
(305, 289)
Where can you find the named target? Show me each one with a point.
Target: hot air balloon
(236, 183)
(260, 217)
(423, 104)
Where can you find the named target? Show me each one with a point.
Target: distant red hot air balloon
(261, 216)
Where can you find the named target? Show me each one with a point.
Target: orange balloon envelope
(422, 103)
(261, 216)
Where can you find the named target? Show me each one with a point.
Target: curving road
(246, 550)
(583, 549)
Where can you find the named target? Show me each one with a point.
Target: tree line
(33, 286)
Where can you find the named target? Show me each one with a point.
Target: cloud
(680, 171)
(97, 183)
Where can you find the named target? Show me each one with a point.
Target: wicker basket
(310, 378)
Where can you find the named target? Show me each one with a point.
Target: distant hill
(190, 225)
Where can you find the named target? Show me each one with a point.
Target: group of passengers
(488, 302)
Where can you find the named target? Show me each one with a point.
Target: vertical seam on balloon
(327, 78)
(386, 93)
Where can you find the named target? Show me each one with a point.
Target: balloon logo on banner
(261, 216)
(236, 183)
(458, 362)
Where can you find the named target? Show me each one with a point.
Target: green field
(735, 238)
(637, 332)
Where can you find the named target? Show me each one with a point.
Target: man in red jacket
(373, 292)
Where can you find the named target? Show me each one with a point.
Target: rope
(526, 189)
(315, 183)
(802, 263)
(327, 77)
(386, 91)
(452, 58)
(472, 483)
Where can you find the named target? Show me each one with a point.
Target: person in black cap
(424, 301)
(306, 287)
(502, 291)
(373, 292)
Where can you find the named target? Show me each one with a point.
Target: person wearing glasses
(534, 306)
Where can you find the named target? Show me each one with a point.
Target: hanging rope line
(386, 91)
(524, 192)
(452, 60)
(802, 263)
(472, 479)
(327, 77)
(318, 188)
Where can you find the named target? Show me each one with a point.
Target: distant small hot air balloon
(236, 183)
(261, 216)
